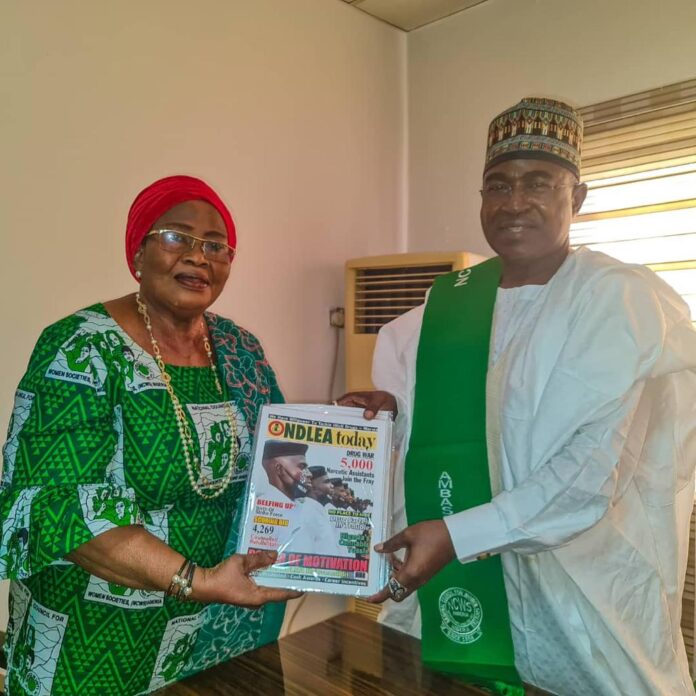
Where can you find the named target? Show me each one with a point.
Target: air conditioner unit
(381, 288)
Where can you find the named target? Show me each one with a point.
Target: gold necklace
(200, 483)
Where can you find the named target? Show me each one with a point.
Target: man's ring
(396, 590)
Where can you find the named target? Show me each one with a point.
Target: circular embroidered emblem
(461, 615)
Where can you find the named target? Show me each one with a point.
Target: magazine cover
(318, 495)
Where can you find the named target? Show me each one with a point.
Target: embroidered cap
(536, 128)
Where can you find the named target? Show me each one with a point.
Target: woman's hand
(132, 557)
(371, 401)
(229, 582)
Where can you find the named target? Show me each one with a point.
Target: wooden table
(346, 655)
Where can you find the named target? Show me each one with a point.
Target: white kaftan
(591, 419)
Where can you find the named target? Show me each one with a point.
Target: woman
(125, 464)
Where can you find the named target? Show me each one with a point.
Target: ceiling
(411, 14)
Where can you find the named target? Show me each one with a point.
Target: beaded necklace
(200, 483)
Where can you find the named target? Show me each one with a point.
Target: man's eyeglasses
(178, 242)
(531, 190)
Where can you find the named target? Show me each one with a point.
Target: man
(285, 465)
(338, 494)
(546, 399)
(322, 488)
(309, 529)
(286, 468)
(315, 516)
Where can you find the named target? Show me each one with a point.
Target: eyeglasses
(531, 190)
(178, 242)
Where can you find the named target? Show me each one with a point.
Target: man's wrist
(476, 532)
(451, 550)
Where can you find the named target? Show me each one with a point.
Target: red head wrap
(155, 200)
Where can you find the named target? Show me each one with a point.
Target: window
(639, 161)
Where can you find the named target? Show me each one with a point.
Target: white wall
(291, 110)
(465, 69)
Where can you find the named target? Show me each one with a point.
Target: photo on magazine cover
(318, 496)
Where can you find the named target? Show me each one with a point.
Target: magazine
(318, 495)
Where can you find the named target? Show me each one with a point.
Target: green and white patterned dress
(93, 444)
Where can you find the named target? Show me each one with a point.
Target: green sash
(466, 626)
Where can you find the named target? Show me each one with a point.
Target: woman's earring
(138, 275)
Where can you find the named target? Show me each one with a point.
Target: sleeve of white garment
(615, 339)
(393, 365)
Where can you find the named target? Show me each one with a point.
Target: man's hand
(371, 401)
(428, 550)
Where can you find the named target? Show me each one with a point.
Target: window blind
(639, 162)
(643, 131)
